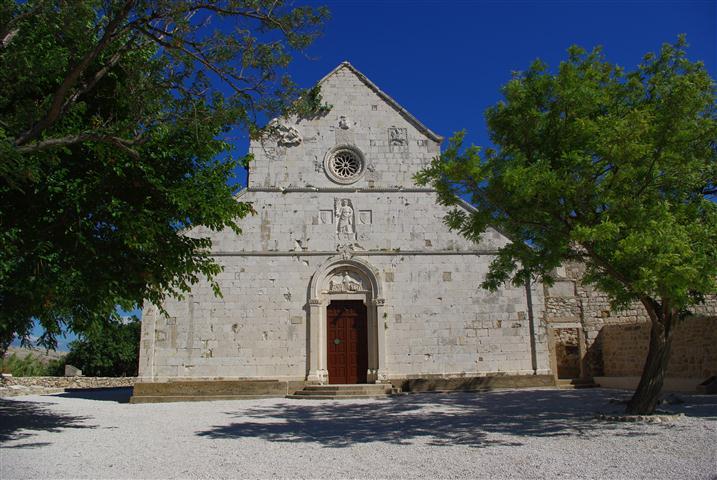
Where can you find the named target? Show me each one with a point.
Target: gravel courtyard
(539, 433)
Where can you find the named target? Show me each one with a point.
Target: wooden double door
(347, 341)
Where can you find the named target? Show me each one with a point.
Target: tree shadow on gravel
(20, 418)
(470, 419)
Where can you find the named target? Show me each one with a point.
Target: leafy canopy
(594, 164)
(107, 350)
(115, 118)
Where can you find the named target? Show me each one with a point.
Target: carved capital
(314, 301)
(379, 302)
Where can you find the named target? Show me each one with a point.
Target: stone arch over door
(340, 278)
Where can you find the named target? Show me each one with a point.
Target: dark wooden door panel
(347, 341)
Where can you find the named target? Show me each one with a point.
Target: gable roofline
(387, 98)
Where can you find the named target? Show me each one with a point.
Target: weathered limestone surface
(428, 315)
(614, 343)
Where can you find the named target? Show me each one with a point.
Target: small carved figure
(346, 282)
(344, 122)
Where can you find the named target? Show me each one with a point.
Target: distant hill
(44, 356)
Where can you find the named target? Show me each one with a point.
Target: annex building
(348, 275)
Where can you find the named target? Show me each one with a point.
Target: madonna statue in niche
(344, 220)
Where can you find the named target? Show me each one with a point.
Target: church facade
(347, 272)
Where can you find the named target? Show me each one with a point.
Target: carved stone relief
(345, 220)
(371, 174)
(346, 250)
(345, 282)
(398, 139)
(326, 217)
(344, 122)
(365, 217)
(287, 136)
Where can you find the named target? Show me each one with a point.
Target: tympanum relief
(345, 282)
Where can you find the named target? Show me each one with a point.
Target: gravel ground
(540, 433)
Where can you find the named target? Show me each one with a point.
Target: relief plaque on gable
(286, 135)
(397, 139)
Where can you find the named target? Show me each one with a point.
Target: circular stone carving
(344, 164)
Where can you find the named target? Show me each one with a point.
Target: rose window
(344, 165)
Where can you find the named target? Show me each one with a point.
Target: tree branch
(58, 99)
(194, 55)
(8, 31)
(97, 76)
(123, 144)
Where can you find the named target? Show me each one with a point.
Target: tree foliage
(611, 168)
(110, 349)
(114, 124)
(31, 366)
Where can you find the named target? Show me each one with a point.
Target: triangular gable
(386, 98)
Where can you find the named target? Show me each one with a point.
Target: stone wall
(69, 382)
(694, 349)
(438, 321)
(615, 342)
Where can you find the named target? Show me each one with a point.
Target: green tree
(27, 366)
(110, 349)
(115, 117)
(611, 168)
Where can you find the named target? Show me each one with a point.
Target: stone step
(347, 388)
(333, 392)
(194, 398)
(337, 397)
(575, 383)
(353, 391)
(212, 388)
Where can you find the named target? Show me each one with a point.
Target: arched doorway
(346, 306)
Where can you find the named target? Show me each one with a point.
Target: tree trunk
(644, 400)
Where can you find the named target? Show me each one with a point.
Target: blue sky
(445, 61)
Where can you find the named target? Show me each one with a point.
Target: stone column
(146, 351)
(372, 342)
(317, 341)
(381, 372)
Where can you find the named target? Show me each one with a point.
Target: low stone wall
(440, 384)
(624, 348)
(681, 385)
(67, 382)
